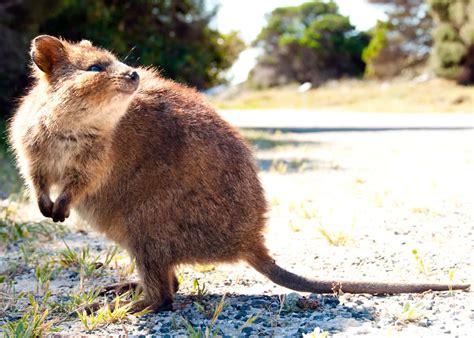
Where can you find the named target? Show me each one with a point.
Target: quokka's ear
(46, 52)
(85, 43)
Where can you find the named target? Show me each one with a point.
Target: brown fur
(155, 169)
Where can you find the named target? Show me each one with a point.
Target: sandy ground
(350, 201)
(421, 95)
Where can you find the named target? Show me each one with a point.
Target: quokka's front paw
(45, 205)
(61, 209)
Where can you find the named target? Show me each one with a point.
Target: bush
(172, 35)
(453, 52)
(308, 43)
(401, 44)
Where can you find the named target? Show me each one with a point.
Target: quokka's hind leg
(175, 281)
(121, 288)
(158, 286)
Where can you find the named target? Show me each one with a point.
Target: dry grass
(107, 315)
(354, 95)
(410, 313)
(335, 238)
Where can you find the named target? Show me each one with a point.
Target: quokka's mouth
(128, 88)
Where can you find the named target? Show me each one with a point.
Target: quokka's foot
(89, 309)
(45, 205)
(139, 306)
(94, 307)
(120, 288)
(142, 305)
(61, 209)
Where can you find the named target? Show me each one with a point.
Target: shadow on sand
(272, 314)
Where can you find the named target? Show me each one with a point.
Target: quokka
(151, 164)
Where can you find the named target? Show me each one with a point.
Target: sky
(248, 17)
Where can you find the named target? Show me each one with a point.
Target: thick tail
(267, 266)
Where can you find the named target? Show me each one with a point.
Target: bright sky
(248, 17)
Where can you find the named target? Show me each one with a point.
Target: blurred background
(315, 56)
(237, 50)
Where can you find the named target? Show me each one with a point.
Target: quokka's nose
(133, 75)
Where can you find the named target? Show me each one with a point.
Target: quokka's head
(88, 75)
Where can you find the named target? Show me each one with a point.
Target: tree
(311, 42)
(173, 35)
(402, 42)
(19, 21)
(453, 52)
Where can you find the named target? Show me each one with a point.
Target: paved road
(307, 120)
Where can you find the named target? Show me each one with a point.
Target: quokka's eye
(95, 68)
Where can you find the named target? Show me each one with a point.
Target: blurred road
(314, 121)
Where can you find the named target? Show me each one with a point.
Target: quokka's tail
(267, 266)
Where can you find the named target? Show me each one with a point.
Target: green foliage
(19, 22)
(76, 301)
(411, 313)
(212, 312)
(453, 72)
(44, 273)
(422, 266)
(450, 53)
(445, 32)
(12, 231)
(402, 42)
(457, 12)
(174, 36)
(199, 290)
(116, 313)
(376, 45)
(311, 42)
(84, 263)
(33, 323)
(467, 34)
(453, 52)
